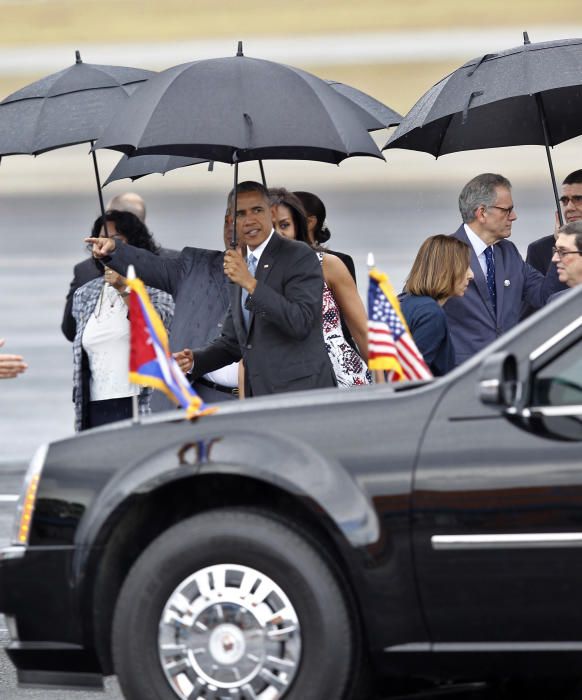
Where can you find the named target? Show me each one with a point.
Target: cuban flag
(150, 360)
(390, 344)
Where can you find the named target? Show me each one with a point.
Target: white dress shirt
(478, 246)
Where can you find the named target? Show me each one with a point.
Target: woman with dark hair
(318, 229)
(440, 271)
(339, 295)
(102, 392)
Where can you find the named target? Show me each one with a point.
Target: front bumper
(37, 595)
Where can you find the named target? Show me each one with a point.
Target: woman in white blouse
(102, 392)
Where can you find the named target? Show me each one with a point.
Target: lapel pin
(266, 266)
(506, 283)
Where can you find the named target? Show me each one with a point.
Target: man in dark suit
(274, 322)
(539, 252)
(492, 302)
(196, 281)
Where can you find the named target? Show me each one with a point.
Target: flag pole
(379, 375)
(134, 399)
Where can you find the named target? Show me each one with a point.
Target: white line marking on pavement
(8, 498)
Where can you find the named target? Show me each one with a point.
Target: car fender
(296, 468)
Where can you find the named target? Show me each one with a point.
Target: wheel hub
(229, 631)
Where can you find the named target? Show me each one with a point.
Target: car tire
(234, 603)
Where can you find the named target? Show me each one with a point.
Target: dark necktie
(252, 267)
(490, 262)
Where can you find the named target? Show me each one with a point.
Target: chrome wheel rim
(229, 632)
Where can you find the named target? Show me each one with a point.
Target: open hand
(11, 365)
(185, 359)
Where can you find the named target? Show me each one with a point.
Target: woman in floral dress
(339, 295)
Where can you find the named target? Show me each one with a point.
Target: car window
(559, 383)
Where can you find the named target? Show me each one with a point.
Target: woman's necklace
(99, 304)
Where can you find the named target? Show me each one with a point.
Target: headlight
(27, 499)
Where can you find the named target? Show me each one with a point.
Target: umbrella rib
(445, 130)
(329, 116)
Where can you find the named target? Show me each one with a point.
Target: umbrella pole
(262, 169)
(548, 154)
(234, 206)
(98, 180)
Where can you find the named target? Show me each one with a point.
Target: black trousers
(108, 411)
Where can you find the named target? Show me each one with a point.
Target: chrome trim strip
(557, 410)
(456, 647)
(555, 339)
(506, 646)
(415, 647)
(15, 552)
(542, 540)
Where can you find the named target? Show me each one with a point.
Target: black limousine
(293, 546)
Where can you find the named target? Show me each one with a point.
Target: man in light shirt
(492, 303)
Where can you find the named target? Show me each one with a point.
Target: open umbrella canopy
(380, 116)
(140, 166)
(65, 108)
(500, 99)
(239, 109)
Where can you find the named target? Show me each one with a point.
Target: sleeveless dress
(348, 366)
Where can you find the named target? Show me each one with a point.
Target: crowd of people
(280, 311)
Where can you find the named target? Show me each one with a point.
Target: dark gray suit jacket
(539, 255)
(283, 348)
(196, 281)
(472, 321)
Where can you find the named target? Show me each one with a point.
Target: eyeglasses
(561, 253)
(576, 200)
(506, 210)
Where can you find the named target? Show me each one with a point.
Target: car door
(497, 504)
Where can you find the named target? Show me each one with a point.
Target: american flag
(390, 345)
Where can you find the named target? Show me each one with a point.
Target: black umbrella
(239, 109)
(531, 94)
(380, 116)
(66, 108)
(140, 166)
